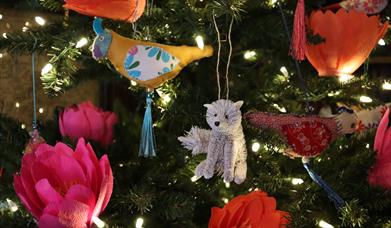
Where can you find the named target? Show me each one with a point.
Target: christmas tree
(252, 46)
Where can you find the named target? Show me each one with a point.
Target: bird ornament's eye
(101, 38)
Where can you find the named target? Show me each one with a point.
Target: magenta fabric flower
(89, 122)
(380, 174)
(62, 187)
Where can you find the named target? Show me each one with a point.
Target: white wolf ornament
(224, 145)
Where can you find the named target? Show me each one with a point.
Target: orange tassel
(299, 36)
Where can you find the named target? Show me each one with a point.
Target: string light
(40, 110)
(23, 126)
(1, 16)
(24, 29)
(133, 83)
(345, 78)
(121, 165)
(99, 223)
(227, 184)
(324, 224)
(139, 222)
(12, 205)
(1, 55)
(194, 178)
(40, 20)
(200, 42)
(250, 55)
(255, 147)
(82, 42)
(281, 109)
(225, 200)
(47, 68)
(381, 42)
(17, 105)
(284, 71)
(386, 86)
(367, 146)
(5, 35)
(365, 99)
(27, 23)
(297, 181)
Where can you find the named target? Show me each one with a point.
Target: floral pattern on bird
(308, 138)
(148, 62)
(368, 6)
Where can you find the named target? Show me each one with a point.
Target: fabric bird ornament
(380, 174)
(307, 136)
(367, 6)
(149, 64)
(124, 10)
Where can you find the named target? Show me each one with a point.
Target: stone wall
(16, 79)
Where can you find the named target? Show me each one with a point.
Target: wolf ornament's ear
(208, 106)
(238, 104)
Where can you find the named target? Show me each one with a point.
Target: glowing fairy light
(194, 178)
(17, 105)
(82, 42)
(47, 68)
(284, 71)
(345, 78)
(281, 109)
(386, 86)
(200, 42)
(12, 205)
(4, 35)
(40, 20)
(40, 110)
(381, 42)
(255, 147)
(1, 16)
(249, 55)
(297, 181)
(27, 23)
(23, 126)
(1, 55)
(227, 184)
(225, 200)
(365, 99)
(324, 224)
(133, 83)
(99, 223)
(139, 222)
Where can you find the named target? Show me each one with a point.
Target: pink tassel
(299, 38)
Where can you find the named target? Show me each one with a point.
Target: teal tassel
(148, 145)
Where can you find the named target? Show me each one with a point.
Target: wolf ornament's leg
(229, 161)
(241, 164)
(212, 157)
(200, 169)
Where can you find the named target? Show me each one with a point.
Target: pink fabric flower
(87, 121)
(64, 188)
(380, 174)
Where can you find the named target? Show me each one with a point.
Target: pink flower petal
(46, 192)
(84, 195)
(96, 123)
(110, 120)
(106, 186)
(73, 214)
(381, 130)
(19, 189)
(75, 124)
(52, 208)
(50, 221)
(110, 180)
(29, 187)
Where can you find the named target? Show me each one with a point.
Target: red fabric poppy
(349, 37)
(254, 210)
(124, 10)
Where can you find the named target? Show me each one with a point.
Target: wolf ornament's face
(224, 115)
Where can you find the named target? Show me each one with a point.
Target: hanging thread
(218, 56)
(34, 89)
(303, 85)
(229, 56)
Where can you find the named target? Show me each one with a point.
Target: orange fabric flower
(254, 210)
(349, 37)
